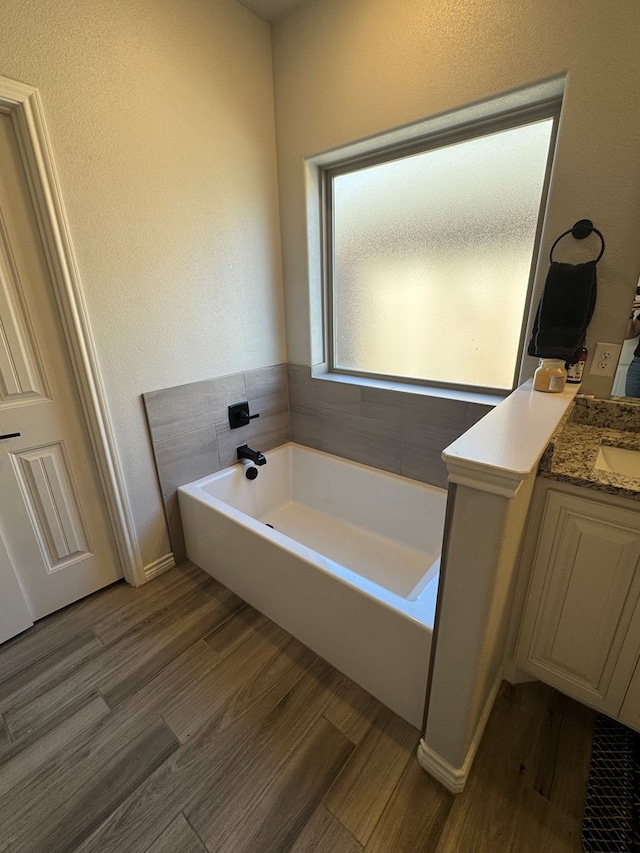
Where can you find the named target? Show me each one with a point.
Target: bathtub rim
(420, 609)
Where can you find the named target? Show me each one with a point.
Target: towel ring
(580, 230)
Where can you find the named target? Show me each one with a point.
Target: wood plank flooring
(175, 719)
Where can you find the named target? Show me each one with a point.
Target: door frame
(24, 105)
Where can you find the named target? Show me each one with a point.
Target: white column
(492, 470)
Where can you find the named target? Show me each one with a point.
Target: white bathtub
(350, 568)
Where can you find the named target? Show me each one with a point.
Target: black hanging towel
(567, 304)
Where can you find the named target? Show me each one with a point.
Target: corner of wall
(453, 778)
(159, 567)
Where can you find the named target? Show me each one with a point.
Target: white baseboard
(159, 566)
(455, 778)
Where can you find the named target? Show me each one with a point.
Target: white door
(15, 615)
(53, 516)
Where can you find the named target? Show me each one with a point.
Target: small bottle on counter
(576, 368)
(550, 375)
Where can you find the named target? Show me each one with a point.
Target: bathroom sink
(616, 460)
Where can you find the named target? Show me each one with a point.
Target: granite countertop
(571, 454)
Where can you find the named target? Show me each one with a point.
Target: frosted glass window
(432, 257)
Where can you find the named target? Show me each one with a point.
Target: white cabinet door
(630, 711)
(584, 587)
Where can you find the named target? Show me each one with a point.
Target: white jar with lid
(551, 375)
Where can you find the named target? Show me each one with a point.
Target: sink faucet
(245, 452)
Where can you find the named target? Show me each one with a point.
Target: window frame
(423, 142)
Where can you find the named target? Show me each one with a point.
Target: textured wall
(349, 69)
(161, 119)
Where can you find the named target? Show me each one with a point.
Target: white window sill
(319, 371)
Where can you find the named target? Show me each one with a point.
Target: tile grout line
(194, 830)
(389, 799)
(5, 726)
(336, 818)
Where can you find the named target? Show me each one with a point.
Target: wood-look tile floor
(174, 719)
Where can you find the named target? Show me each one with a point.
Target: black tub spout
(245, 452)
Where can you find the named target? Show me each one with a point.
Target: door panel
(21, 375)
(50, 497)
(584, 587)
(53, 516)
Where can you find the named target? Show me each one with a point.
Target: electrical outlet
(605, 359)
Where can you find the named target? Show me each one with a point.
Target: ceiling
(271, 10)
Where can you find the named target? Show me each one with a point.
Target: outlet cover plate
(605, 359)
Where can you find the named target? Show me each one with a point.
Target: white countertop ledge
(503, 449)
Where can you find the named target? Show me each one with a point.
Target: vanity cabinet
(630, 711)
(580, 630)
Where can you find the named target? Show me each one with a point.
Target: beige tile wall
(191, 437)
(390, 429)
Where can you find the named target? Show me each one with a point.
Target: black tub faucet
(245, 452)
